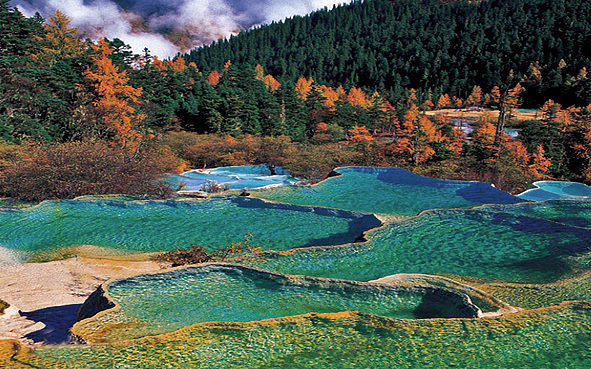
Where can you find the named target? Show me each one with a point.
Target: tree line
(80, 117)
(432, 46)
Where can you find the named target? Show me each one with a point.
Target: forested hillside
(428, 45)
(80, 117)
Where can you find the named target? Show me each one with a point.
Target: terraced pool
(46, 231)
(388, 191)
(530, 255)
(557, 337)
(475, 243)
(161, 303)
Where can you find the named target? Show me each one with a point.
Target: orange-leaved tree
(114, 99)
(540, 163)
(359, 134)
(304, 87)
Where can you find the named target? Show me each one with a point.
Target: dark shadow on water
(477, 192)
(484, 193)
(443, 304)
(575, 221)
(548, 268)
(520, 223)
(57, 319)
(358, 222)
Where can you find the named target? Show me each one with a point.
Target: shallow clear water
(472, 243)
(554, 190)
(571, 212)
(160, 303)
(147, 226)
(389, 191)
(558, 337)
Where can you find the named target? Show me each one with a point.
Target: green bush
(3, 306)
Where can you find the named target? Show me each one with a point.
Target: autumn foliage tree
(359, 134)
(115, 99)
(60, 41)
(540, 163)
(507, 100)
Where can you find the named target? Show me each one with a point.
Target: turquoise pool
(148, 226)
(388, 191)
(553, 190)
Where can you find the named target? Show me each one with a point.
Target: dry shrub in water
(36, 172)
(236, 252)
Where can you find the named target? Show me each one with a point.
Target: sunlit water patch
(474, 243)
(389, 191)
(558, 337)
(554, 190)
(160, 303)
(571, 212)
(147, 226)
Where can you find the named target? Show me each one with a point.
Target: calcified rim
(337, 316)
(76, 329)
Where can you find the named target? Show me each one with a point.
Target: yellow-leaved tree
(59, 42)
(114, 99)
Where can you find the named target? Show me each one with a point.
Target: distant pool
(475, 243)
(236, 177)
(388, 191)
(571, 212)
(555, 190)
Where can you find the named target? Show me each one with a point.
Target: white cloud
(166, 26)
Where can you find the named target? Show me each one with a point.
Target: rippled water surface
(147, 226)
(559, 337)
(473, 243)
(160, 303)
(571, 212)
(389, 191)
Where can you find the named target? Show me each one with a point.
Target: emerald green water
(471, 243)
(147, 226)
(537, 296)
(571, 212)
(508, 241)
(161, 303)
(388, 191)
(553, 338)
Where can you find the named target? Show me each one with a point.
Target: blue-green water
(161, 303)
(553, 338)
(572, 212)
(508, 241)
(555, 190)
(147, 226)
(473, 243)
(389, 191)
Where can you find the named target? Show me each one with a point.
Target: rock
(196, 194)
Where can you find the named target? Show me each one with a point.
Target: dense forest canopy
(65, 101)
(395, 45)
